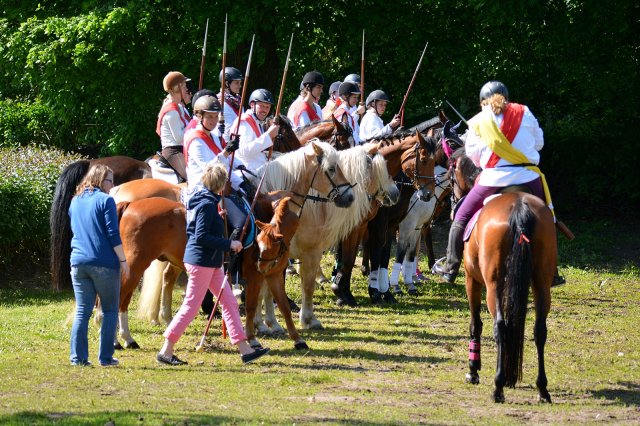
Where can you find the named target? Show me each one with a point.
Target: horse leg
(169, 278)
(129, 284)
(398, 266)
(542, 302)
(308, 270)
(277, 286)
(269, 310)
(252, 294)
(499, 333)
(428, 242)
(263, 300)
(409, 263)
(474, 296)
(383, 271)
(365, 267)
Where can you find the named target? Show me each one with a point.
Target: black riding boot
(449, 271)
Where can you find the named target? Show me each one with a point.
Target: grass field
(400, 364)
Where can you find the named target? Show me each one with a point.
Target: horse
(512, 246)
(332, 131)
(266, 261)
(314, 166)
(419, 215)
(285, 141)
(322, 225)
(401, 154)
(124, 169)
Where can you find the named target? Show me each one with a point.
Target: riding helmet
(200, 93)
(334, 87)
(313, 78)
(348, 88)
(230, 74)
(173, 79)
(261, 95)
(491, 88)
(354, 78)
(376, 95)
(207, 103)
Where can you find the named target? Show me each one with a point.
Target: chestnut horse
(124, 169)
(332, 131)
(513, 246)
(315, 166)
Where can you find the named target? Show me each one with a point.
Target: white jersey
(303, 117)
(253, 143)
(373, 127)
(529, 140)
(172, 127)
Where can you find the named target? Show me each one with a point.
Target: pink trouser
(202, 278)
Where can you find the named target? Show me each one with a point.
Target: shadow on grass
(116, 417)
(628, 394)
(14, 296)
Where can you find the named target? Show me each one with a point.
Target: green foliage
(24, 123)
(98, 67)
(28, 177)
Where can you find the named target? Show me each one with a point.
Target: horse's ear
(443, 118)
(260, 224)
(373, 150)
(336, 123)
(317, 148)
(420, 138)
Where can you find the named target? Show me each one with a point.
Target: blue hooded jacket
(205, 229)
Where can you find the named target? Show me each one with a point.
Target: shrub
(24, 123)
(27, 182)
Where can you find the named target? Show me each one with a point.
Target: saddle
(474, 219)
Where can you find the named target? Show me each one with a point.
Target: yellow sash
(488, 130)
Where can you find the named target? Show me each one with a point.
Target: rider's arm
(249, 146)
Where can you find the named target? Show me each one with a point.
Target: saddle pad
(474, 218)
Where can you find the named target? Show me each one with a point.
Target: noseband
(274, 260)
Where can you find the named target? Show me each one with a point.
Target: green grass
(398, 364)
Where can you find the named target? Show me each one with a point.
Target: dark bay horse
(331, 131)
(124, 169)
(513, 246)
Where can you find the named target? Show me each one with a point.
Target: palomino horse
(332, 131)
(285, 141)
(322, 225)
(315, 166)
(124, 169)
(513, 246)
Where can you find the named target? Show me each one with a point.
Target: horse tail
(60, 223)
(150, 293)
(522, 223)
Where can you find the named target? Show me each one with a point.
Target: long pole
(413, 79)
(457, 112)
(223, 79)
(204, 54)
(284, 79)
(362, 72)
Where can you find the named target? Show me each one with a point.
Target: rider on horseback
(499, 120)
(173, 119)
(232, 108)
(348, 112)
(331, 105)
(372, 125)
(305, 108)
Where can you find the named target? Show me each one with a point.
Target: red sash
(171, 106)
(257, 130)
(340, 112)
(300, 106)
(207, 138)
(510, 125)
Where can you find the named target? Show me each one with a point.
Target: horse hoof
(301, 345)
(473, 379)
(117, 346)
(544, 398)
(132, 345)
(412, 292)
(277, 332)
(498, 397)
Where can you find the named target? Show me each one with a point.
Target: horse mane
(425, 125)
(466, 166)
(285, 171)
(281, 209)
(306, 127)
(335, 223)
(60, 223)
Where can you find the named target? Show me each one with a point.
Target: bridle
(273, 261)
(346, 133)
(417, 180)
(333, 193)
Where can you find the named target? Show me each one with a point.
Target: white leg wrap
(383, 280)
(395, 274)
(373, 279)
(408, 270)
(123, 319)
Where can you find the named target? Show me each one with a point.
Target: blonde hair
(497, 102)
(94, 178)
(214, 177)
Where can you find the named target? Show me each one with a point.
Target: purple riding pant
(475, 198)
(202, 278)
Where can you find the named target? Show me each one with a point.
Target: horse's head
(286, 140)
(381, 185)
(448, 143)
(274, 237)
(342, 135)
(327, 177)
(419, 163)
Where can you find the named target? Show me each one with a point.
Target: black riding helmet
(261, 95)
(354, 78)
(200, 93)
(312, 78)
(492, 87)
(376, 95)
(230, 74)
(348, 88)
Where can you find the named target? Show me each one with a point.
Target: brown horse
(513, 246)
(332, 131)
(266, 261)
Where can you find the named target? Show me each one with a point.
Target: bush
(25, 123)
(27, 182)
